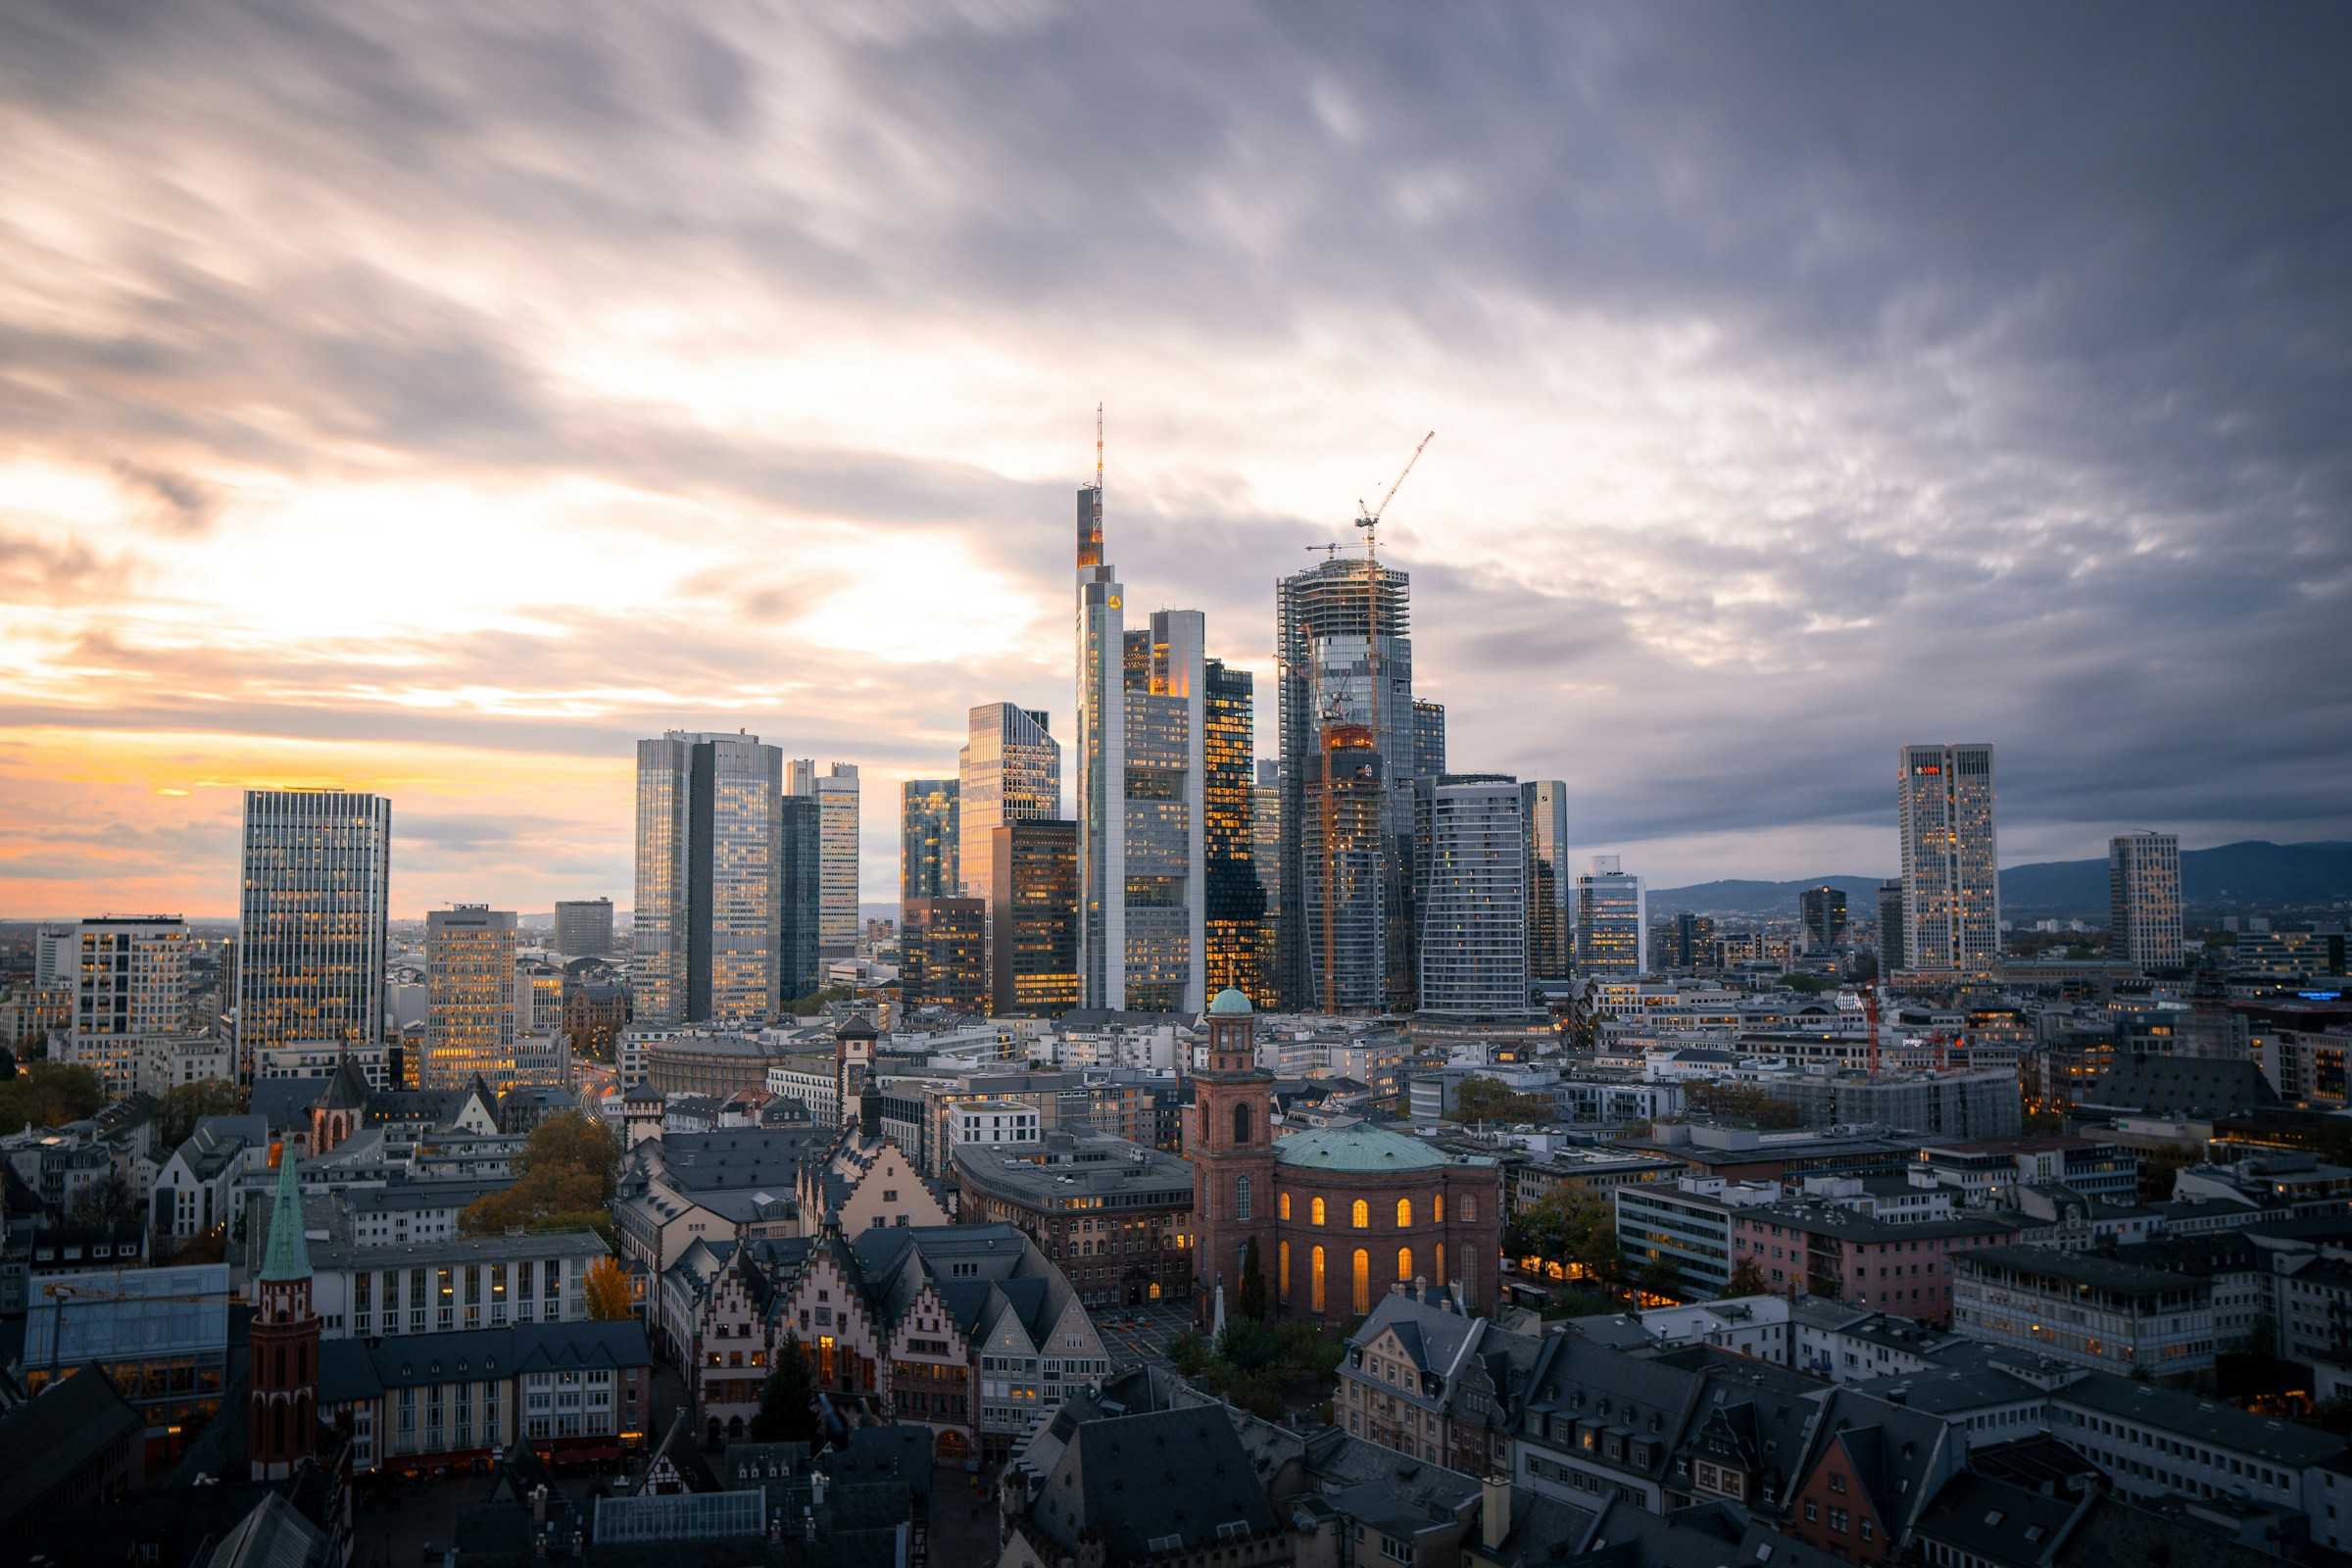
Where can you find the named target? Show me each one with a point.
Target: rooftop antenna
(1098, 447)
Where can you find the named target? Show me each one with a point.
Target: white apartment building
(992, 1123)
(451, 1285)
(129, 982)
(162, 1062)
(2143, 891)
(320, 1059)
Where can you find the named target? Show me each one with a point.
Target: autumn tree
(1484, 1099)
(609, 1292)
(179, 1108)
(1747, 1279)
(787, 1403)
(1567, 1226)
(563, 1182)
(50, 1093)
(1661, 1277)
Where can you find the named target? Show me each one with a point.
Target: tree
(1660, 1276)
(787, 1403)
(50, 1093)
(1567, 1226)
(108, 1201)
(1810, 985)
(1747, 1279)
(609, 1292)
(1253, 1284)
(565, 1182)
(179, 1108)
(1484, 1099)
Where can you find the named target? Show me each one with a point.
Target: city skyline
(1761, 411)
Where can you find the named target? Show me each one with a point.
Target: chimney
(1494, 1512)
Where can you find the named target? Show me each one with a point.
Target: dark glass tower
(1236, 899)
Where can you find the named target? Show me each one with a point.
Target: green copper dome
(1230, 1004)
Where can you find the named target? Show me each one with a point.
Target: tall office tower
(1429, 739)
(1235, 917)
(310, 920)
(1347, 662)
(1166, 785)
(56, 957)
(1102, 765)
(2143, 890)
(709, 913)
(930, 840)
(1473, 916)
(1893, 953)
(943, 959)
(1033, 918)
(1612, 923)
(836, 792)
(130, 980)
(470, 989)
(1009, 770)
(799, 895)
(1266, 845)
(1823, 912)
(1344, 854)
(1685, 941)
(584, 927)
(1951, 868)
(1142, 862)
(1550, 921)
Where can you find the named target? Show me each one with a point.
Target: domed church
(1338, 1215)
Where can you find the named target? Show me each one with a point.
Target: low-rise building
(2084, 1309)
(452, 1285)
(1688, 1224)
(1112, 1215)
(1832, 1251)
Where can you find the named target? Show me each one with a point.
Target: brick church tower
(1230, 1141)
(281, 1425)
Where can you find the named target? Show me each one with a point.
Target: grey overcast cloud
(436, 399)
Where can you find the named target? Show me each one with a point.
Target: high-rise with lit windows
(2143, 888)
(1612, 922)
(1473, 911)
(1550, 911)
(1033, 919)
(129, 981)
(929, 840)
(469, 997)
(1950, 858)
(836, 792)
(1235, 917)
(314, 893)
(1009, 770)
(710, 918)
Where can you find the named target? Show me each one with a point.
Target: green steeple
(289, 1253)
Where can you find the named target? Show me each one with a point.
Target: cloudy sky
(436, 399)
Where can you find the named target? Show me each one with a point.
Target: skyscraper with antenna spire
(1142, 711)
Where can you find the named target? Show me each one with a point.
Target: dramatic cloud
(436, 399)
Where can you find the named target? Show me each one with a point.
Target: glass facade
(836, 793)
(317, 878)
(1612, 927)
(929, 840)
(1551, 924)
(1009, 770)
(710, 879)
(469, 997)
(1340, 631)
(1034, 918)
(2144, 885)
(1343, 800)
(1102, 765)
(799, 894)
(1950, 867)
(943, 961)
(1473, 925)
(1235, 906)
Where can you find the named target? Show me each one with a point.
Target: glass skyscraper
(1550, 921)
(310, 920)
(1471, 918)
(709, 884)
(1235, 913)
(469, 986)
(1009, 770)
(836, 792)
(929, 840)
(2144, 885)
(1343, 922)
(1347, 662)
(1950, 857)
(1033, 918)
(1612, 922)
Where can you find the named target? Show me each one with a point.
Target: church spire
(289, 1257)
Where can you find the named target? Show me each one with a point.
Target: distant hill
(2255, 875)
(1735, 897)
(2252, 876)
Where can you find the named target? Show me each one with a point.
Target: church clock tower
(281, 1425)
(1230, 1139)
